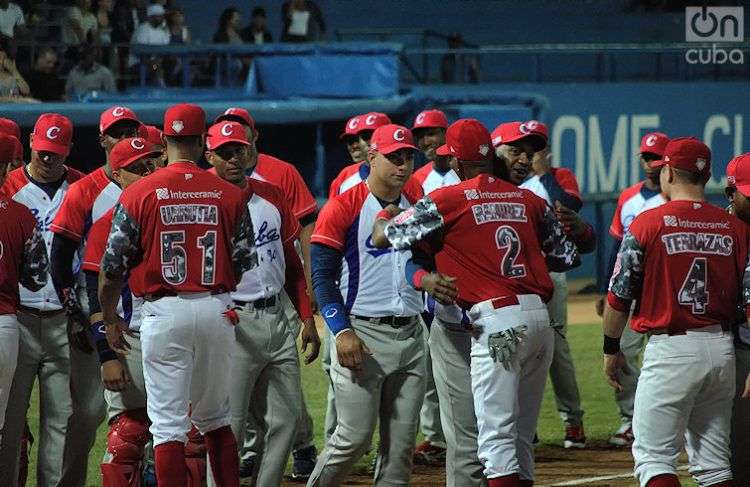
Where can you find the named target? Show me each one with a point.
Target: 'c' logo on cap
(229, 111)
(53, 132)
(137, 144)
(226, 129)
(370, 120)
(399, 134)
(651, 140)
(420, 118)
(531, 124)
(353, 123)
(524, 129)
(118, 111)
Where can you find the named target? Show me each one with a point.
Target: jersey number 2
(693, 292)
(507, 238)
(174, 257)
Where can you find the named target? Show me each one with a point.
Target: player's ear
(209, 157)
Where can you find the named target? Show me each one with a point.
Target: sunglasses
(141, 167)
(228, 152)
(122, 130)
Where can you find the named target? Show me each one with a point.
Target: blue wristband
(100, 339)
(335, 316)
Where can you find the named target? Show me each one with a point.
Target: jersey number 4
(507, 238)
(693, 292)
(174, 257)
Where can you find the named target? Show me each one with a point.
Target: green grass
(600, 418)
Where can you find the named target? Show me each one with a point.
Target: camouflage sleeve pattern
(414, 224)
(35, 262)
(746, 288)
(244, 255)
(627, 276)
(560, 252)
(123, 250)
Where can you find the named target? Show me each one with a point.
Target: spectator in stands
(79, 25)
(13, 88)
(257, 32)
(302, 21)
(12, 21)
(44, 81)
(178, 31)
(466, 66)
(103, 11)
(126, 17)
(88, 75)
(228, 29)
(153, 32)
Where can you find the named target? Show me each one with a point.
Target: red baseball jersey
(86, 201)
(96, 242)
(493, 237)
(567, 181)
(23, 254)
(349, 177)
(632, 201)
(684, 263)
(286, 177)
(180, 230)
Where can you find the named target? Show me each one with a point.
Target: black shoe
(304, 462)
(246, 467)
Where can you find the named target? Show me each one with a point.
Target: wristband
(611, 345)
(416, 279)
(383, 215)
(335, 317)
(100, 339)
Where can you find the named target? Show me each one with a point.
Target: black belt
(392, 321)
(261, 303)
(39, 313)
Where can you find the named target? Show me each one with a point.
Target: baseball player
(357, 134)
(632, 201)
(684, 264)
(86, 202)
(429, 134)
(154, 137)
(23, 259)
(737, 191)
(284, 176)
(185, 237)
(555, 186)
(43, 344)
(125, 392)
(504, 285)
(265, 370)
(378, 362)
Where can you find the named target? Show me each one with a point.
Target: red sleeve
(71, 217)
(332, 224)
(302, 201)
(333, 191)
(617, 303)
(96, 242)
(616, 229)
(413, 190)
(567, 181)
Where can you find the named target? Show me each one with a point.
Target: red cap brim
(227, 141)
(657, 164)
(394, 147)
(48, 146)
(443, 150)
(744, 189)
(137, 157)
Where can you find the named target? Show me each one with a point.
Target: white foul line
(589, 480)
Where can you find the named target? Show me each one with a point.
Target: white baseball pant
(684, 397)
(187, 354)
(507, 401)
(8, 360)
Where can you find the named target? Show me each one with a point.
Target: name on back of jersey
(499, 212)
(701, 243)
(196, 214)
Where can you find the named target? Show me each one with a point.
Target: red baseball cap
(10, 127)
(52, 133)
(127, 151)
(654, 143)
(507, 133)
(373, 120)
(224, 132)
(686, 153)
(8, 149)
(237, 114)
(151, 133)
(740, 177)
(467, 140)
(112, 115)
(537, 127)
(352, 126)
(184, 119)
(390, 138)
(430, 119)
(18, 154)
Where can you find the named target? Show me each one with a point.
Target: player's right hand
(440, 287)
(114, 375)
(77, 329)
(116, 330)
(351, 350)
(614, 366)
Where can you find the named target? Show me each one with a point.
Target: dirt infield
(582, 309)
(598, 466)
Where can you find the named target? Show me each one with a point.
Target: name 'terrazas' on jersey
(180, 230)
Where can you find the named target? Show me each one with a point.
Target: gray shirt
(98, 78)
